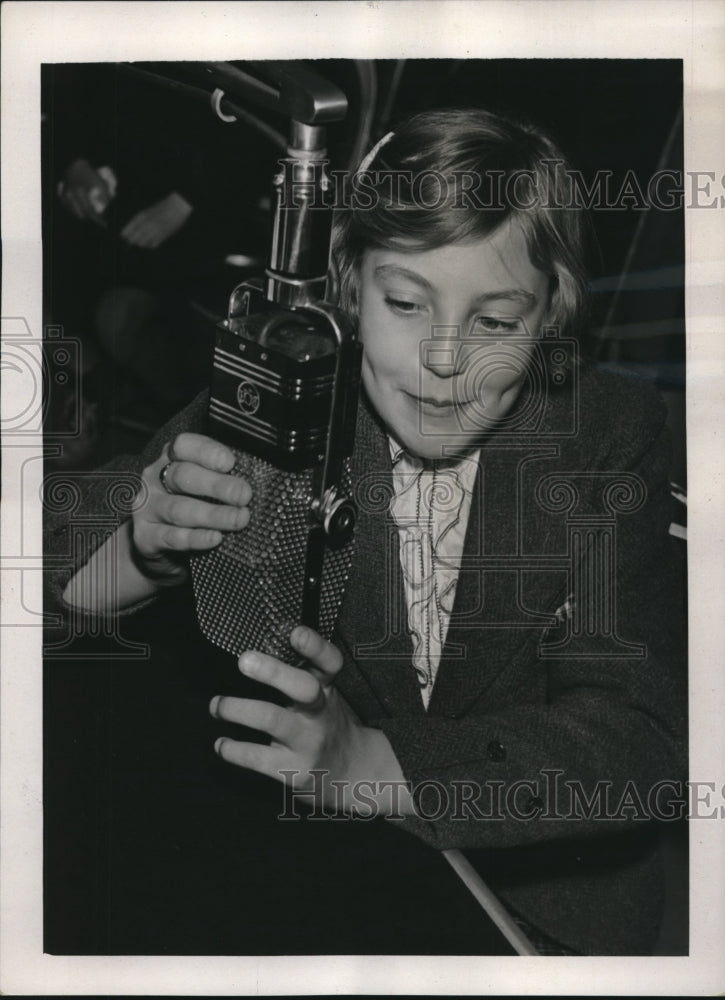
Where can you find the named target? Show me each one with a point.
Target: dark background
(152, 845)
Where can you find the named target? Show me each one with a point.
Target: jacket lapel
(372, 628)
(491, 627)
(504, 603)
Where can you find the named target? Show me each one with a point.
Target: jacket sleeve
(81, 510)
(580, 745)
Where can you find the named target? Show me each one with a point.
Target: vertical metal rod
(636, 239)
(492, 906)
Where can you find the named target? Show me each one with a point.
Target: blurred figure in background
(147, 195)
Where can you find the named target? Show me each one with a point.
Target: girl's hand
(317, 732)
(178, 516)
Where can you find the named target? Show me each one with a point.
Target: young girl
(524, 701)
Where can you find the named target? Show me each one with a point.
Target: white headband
(365, 165)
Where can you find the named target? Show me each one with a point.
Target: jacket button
(496, 751)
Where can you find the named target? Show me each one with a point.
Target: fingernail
(219, 744)
(214, 705)
(300, 635)
(225, 461)
(249, 663)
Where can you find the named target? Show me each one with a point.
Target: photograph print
(364, 509)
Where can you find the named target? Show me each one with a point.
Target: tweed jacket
(516, 708)
(559, 703)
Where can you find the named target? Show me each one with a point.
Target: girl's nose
(442, 353)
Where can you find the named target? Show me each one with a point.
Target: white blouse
(431, 506)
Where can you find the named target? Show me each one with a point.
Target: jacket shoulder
(621, 414)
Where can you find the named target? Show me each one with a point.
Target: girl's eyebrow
(394, 270)
(512, 294)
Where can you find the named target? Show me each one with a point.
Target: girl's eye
(489, 324)
(403, 306)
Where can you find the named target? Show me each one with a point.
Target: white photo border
(39, 32)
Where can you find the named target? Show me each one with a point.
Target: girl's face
(447, 336)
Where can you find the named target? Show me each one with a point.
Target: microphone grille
(249, 589)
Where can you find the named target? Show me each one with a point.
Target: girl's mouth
(436, 405)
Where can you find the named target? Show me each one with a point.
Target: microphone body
(284, 397)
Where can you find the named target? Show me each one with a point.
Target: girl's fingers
(201, 450)
(264, 760)
(186, 477)
(298, 685)
(180, 515)
(189, 512)
(177, 539)
(274, 720)
(321, 654)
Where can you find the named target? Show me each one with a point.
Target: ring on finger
(163, 474)
(320, 701)
(170, 453)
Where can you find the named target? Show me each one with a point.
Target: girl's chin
(436, 447)
(436, 433)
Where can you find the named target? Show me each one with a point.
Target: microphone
(284, 397)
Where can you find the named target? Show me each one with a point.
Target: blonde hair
(417, 192)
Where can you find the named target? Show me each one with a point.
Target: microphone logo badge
(248, 397)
